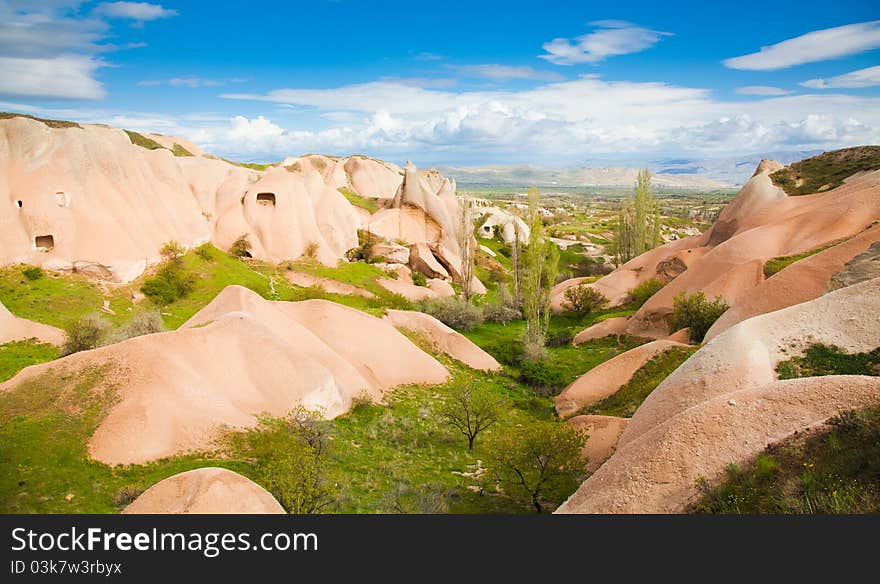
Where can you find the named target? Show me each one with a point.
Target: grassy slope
(835, 469)
(630, 396)
(358, 201)
(54, 299)
(826, 171)
(17, 355)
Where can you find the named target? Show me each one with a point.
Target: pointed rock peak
(767, 166)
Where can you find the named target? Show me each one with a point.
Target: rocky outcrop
(862, 267)
(443, 338)
(13, 328)
(84, 198)
(207, 490)
(606, 378)
(724, 405)
(608, 327)
(238, 357)
(602, 432)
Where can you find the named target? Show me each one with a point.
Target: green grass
(358, 201)
(142, 141)
(833, 470)
(826, 171)
(179, 150)
(17, 355)
(630, 396)
(54, 299)
(375, 450)
(565, 362)
(777, 264)
(50, 123)
(45, 424)
(819, 359)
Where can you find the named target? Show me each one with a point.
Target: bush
(697, 313)
(171, 250)
(289, 458)
(534, 350)
(453, 311)
(502, 308)
(311, 251)
(206, 252)
(32, 273)
(543, 376)
(170, 283)
(419, 279)
(584, 299)
(364, 250)
(89, 332)
(641, 293)
(145, 323)
(241, 247)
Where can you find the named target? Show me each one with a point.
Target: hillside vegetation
(826, 171)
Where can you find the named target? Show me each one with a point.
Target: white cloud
(66, 77)
(611, 37)
(761, 90)
(869, 77)
(819, 45)
(49, 49)
(190, 81)
(556, 123)
(505, 72)
(137, 11)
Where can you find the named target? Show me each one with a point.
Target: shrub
(697, 313)
(145, 323)
(311, 250)
(206, 252)
(364, 250)
(32, 273)
(453, 311)
(534, 350)
(502, 308)
(171, 250)
(584, 299)
(88, 332)
(419, 279)
(543, 376)
(289, 458)
(170, 283)
(641, 293)
(241, 247)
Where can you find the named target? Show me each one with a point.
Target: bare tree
(470, 409)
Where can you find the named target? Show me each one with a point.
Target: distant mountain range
(731, 171)
(707, 174)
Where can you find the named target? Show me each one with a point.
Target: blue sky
(555, 84)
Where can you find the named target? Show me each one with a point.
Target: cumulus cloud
(761, 90)
(556, 122)
(67, 77)
(50, 49)
(505, 72)
(819, 45)
(611, 37)
(869, 77)
(139, 12)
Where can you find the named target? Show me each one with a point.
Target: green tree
(241, 247)
(583, 299)
(697, 313)
(538, 462)
(466, 243)
(470, 409)
(638, 223)
(289, 456)
(540, 264)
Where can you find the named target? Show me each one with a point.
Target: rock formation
(208, 490)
